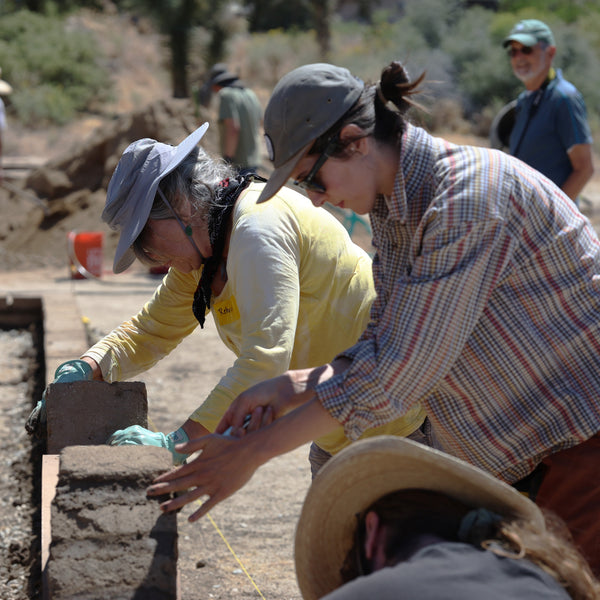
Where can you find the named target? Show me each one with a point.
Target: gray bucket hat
(133, 186)
(225, 79)
(305, 103)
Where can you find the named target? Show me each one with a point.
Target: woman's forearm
(226, 464)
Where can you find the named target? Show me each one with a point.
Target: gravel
(19, 467)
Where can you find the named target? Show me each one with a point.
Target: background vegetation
(58, 73)
(54, 72)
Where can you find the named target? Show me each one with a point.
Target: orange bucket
(85, 254)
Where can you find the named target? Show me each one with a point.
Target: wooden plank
(22, 162)
(50, 465)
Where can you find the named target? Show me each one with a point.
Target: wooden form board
(50, 465)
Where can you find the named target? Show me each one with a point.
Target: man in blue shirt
(551, 132)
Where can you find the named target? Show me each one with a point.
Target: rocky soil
(19, 467)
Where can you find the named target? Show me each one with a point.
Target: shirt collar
(408, 179)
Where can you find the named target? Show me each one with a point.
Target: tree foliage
(564, 10)
(264, 15)
(53, 69)
(457, 43)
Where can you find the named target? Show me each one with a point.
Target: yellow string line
(232, 552)
(239, 562)
(152, 425)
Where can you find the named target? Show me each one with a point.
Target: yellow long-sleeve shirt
(298, 293)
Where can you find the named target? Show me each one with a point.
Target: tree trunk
(179, 39)
(321, 12)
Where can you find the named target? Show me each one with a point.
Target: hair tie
(478, 525)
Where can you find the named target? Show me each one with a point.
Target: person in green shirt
(240, 118)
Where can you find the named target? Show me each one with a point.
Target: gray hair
(195, 181)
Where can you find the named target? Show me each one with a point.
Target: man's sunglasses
(526, 50)
(307, 183)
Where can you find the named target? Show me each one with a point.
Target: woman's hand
(227, 463)
(276, 396)
(223, 467)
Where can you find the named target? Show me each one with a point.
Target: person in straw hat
(5, 90)
(488, 296)
(388, 518)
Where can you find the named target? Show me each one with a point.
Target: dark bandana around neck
(218, 221)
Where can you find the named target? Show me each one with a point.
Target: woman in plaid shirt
(488, 283)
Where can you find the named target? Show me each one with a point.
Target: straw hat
(369, 469)
(5, 88)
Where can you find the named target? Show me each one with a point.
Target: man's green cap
(530, 32)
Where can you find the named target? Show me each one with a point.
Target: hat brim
(224, 79)
(280, 175)
(124, 254)
(523, 38)
(367, 470)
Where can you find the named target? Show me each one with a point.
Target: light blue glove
(72, 370)
(135, 435)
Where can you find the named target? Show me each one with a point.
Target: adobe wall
(108, 539)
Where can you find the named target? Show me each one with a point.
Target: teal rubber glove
(72, 370)
(136, 435)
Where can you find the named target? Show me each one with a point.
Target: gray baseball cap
(133, 186)
(529, 32)
(305, 103)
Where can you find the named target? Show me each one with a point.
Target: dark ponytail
(394, 87)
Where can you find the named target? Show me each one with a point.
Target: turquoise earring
(188, 230)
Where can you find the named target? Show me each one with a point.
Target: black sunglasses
(307, 183)
(526, 50)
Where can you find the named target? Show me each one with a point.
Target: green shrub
(54, 70)
(266, 15)
(481, 68)
(565, 10)
(271, 55)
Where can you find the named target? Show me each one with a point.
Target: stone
(109, 540)
(89, 412)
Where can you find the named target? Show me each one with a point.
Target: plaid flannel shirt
(488, 311)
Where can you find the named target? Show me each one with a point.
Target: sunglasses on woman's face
(308, 184)
(526, 50)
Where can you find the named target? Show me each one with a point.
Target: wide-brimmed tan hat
(5, 87)
(364, 472)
